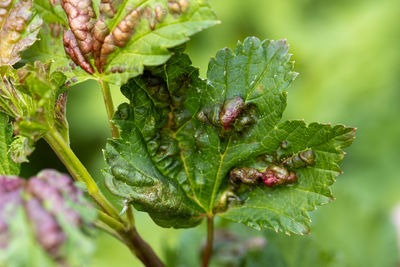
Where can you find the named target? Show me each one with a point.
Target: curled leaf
(81, 19)
(19, 26)
(72, 49)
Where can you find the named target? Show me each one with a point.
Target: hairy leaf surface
(195, 132)
(19, 26)
(7, 165)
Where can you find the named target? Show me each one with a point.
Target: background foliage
(348, 59)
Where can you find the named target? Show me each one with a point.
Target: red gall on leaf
(81, 19)
(119, 36)
(72, 49)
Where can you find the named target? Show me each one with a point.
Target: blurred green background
(348, 55)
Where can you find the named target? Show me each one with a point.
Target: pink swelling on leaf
(49, 200)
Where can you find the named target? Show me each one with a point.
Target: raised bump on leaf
(71, 47)
(277, 175)
(109, 8)
(100, 33)
(19, 27)
(245, 175)
(302, 159)
(81, 19)
(119, 36)
(230, 111)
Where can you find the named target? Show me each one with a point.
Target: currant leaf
(19, 26)
(222, 142)
(7, 164)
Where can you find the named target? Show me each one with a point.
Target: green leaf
(205, 135)
(156, 29)
(32, 95)
(126, 36)
(50, 47)
(286, 209)
(7, 165)
(19, 26)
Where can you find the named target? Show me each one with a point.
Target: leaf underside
(168, 145)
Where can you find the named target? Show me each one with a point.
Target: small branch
(108, 101)
(78, 171)
(131, 238)
(141, 249)
(104, 227)
(210, 240)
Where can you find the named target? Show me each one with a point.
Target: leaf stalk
(108, 101)
(78, 171)
(210, 240)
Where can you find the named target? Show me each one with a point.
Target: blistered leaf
(116, 43)
(43, 221)
(7, 165)
(222, 140)
(19, 26)
(139, 34)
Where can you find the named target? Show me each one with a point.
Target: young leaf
(43, 221)
(139, 34)
(222, 140)
(32, 95)
(19, 25)
(115, 43)
(7, 165)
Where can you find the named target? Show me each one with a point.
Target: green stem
(104, 227)
(210, 240)
(78, 171)
(108, 101)
(130, 216)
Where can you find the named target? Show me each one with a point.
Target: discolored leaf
(139, 34)
(222, 140)
(116, 43)
(43, 221)
(19, 26)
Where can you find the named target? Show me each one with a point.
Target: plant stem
(105, 89)
(141, 249)
(78, 171)
(131, 238)
(210, 240)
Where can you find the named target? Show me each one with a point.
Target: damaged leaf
(113, 40)
(19, 26)
(43, 220)
(221, 142)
